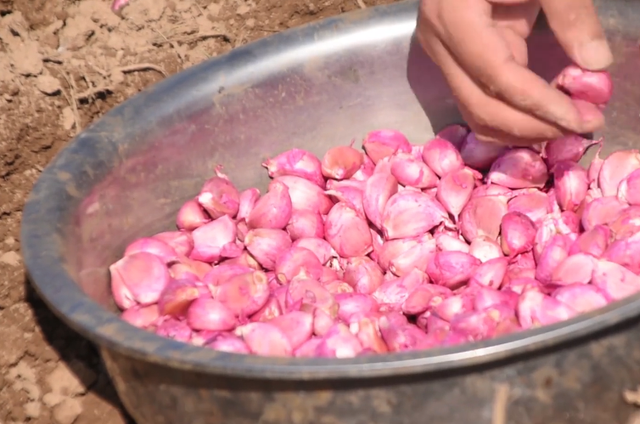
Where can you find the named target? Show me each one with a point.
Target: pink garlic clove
(456, 134)
(320, 247)
(393, 293)
(593, 242)
(322, 322)
(524, 260)
(490, 273)
(383, 166)
(568, 148)
(270, 310)
(209, 314)
(555, 251)
(424, 297)
(297, 262)
(601, 211)
(442, 156)
(226, 342)
(535, 205)
(273, 210)
(416, 151)
(221, 274)
(241, 230)
(517, 233)
(266, 244)
(296, 163)
(141, 316)
(519, 280)
(219, 197)
(378, 190)
(452, 269)
(191, 216)
(575, 269)
(189, 269)
(338, 287)
(474, 325)
(308, 348)
(627, 223)
(363, 274)
(448, 242)
(366, 170)
(247, 201)
(265, 339)
(417, 257)
(519, 168)
(454, 190)
(296, 325)
(153, 246)
(174, 329)
(536, 309)
(180, 241)
(571, 221)
(304, 194)
(329, 275)
(411, 214)
(138, 278)
(245, 259)
(591, 86)
(384, 143)
(492, 190)
(391, 249)
(352, 196)
(452, 306)
(615, 281)
(485, 249)
(571, 185)
(210, 239)
(581, 297)
(595, 166)
(494, 300)
(351, 304)
(301, 292)
(615, 169)
(243, 294)
(338, 343)
(402, 338)
(481, 217)
(342, 162)
(412, 171)
(347, 231)
(367, 332)
(629, 189)
(177, 297)
(479, 154)
(624, 252)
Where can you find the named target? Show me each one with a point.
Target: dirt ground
(63, 63)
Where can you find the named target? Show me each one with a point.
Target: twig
(199, 8)
(137, 67)
(500, 402)
(72, 100)
(172, 44)
(93, 91)
(361, 4)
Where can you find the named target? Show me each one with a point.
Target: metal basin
(312, 87)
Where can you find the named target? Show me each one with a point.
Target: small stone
(243, 9)
(71, 380)
(13, 347)
(67, 118)
(10, 258)
(48, 84)
(67, 411)
(52, 399)
(250, 23)
(32, 409)
(9, 241)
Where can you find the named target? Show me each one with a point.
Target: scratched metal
(312, 87)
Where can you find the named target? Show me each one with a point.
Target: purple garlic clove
(536, 309)
(191, 216)
(273, 210)
(266, 244)
(568, 148)
(226, 342)
(209, 314)
(481, 217)
(347, 231)
(384, 143)
(629, 189)
(174, 329)
(338, 342)
(305, 224)
(424, 297)
(265, 339)
(308, 348)
(297, 262)
(351, 304)
(177, 297)
(296, 163)
(247, 202)
(593, 242)
(555, 251)
(454, 190)
(269, 311)
(296, 325)
(402, 338)
(393, 293)
(243, 294)
(485, 249)
(615, 281)
(448, 242)
(417, 257)
(214, 240)
(455, 134)
(519, 168)
(366, 170)
(581, 297)
(378, 190)
(442, 156)
(575, 269)
(571, 185)
(594, 87)
(363, 274)
(141, 316)
(411, 214)
(320, 247)
(138, 278)
(219, 197)
(367, 332)
(180, 241)
(517, 233)
(615, 169)
(534, 204)
(413, 172)
(623, 252)
(601, 211)
(479, 154)
(490, 273)
(352, 196)
(153, 246)
(627, 223)
(452, 269)
(304, 194)
(310, 293)
(391, 249)
(342, 162)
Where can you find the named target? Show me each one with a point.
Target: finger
(576, 25)
(509, 2)
(476, 107)
(494, 67)
(520, 18)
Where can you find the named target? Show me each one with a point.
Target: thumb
(576, 25)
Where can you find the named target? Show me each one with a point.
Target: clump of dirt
(63, 64)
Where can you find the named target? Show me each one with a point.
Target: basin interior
(313, 88)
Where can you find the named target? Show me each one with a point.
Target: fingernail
(594, 55)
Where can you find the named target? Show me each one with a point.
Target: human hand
(480, 47)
